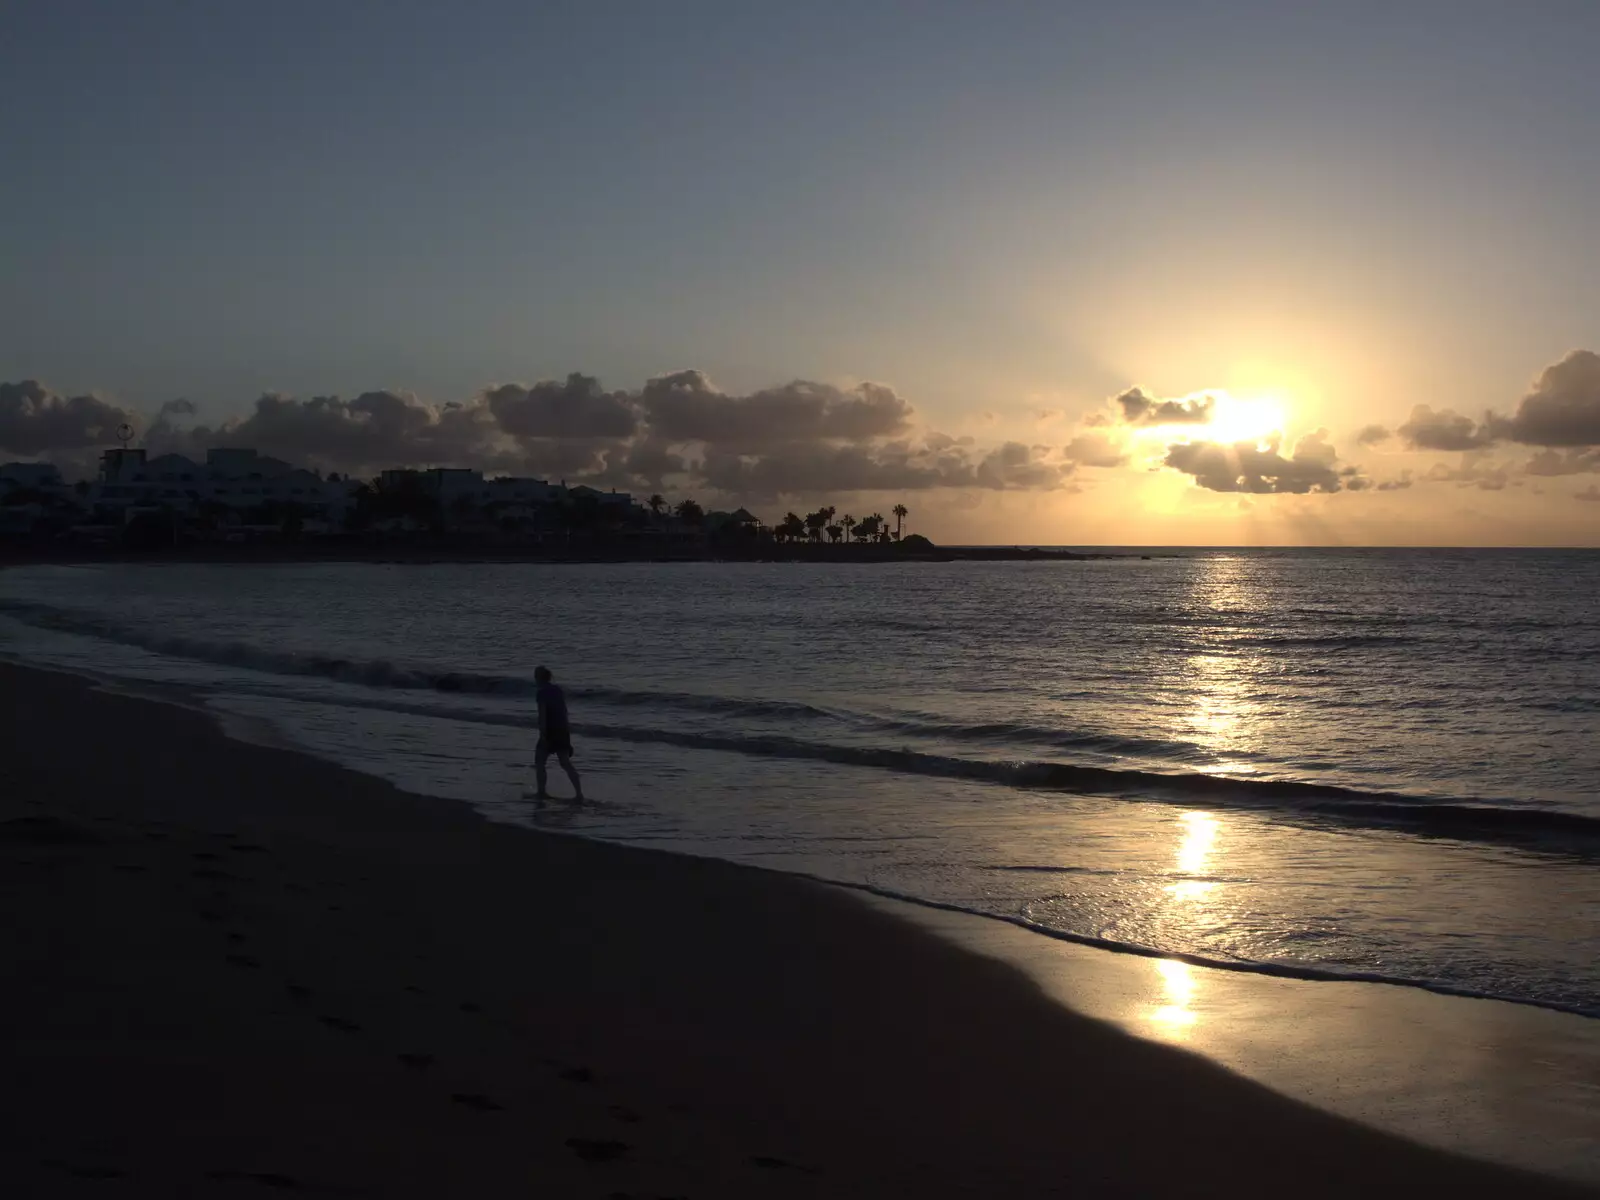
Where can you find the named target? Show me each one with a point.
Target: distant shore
(236, 968)
(427, 551)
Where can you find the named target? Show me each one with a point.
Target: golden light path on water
(1179, 981)
(1226, 719)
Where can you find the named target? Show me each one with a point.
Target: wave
(1444, 816)
(1448, 816)
(1246, 966)
(1557, 830)
(1243, 966)
(381, 673)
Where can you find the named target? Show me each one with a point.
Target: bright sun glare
(1238, 420)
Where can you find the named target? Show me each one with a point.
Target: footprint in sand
(298, 990)
(242, 960)
(340, 1024)
(417, 1062)
(475, 1101)
(577, 1075)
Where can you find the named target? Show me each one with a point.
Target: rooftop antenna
(125, 434)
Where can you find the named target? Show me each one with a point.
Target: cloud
(687, 407)
(1444, 430)
(34, 420)
(1396, 485)
(896, 466)
(1568, 462)
(1373, 435)
(1475, 470)
(799, 438)
(1591, 492)
(1560, 413)
(1139, 409)
(577, 409)
(363, 435)
(1250, 467)
(1562, 410)
(1094, 449)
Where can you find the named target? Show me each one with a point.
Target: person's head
(541, 675)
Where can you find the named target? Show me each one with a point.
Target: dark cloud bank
(678, 430)
(681, 431)
(1559, 416)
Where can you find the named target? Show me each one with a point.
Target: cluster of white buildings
(233, 485)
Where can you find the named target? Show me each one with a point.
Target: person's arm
(544, 727)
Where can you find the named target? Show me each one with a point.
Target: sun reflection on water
(1194, 852)
(1179, 981)
(1178, 987)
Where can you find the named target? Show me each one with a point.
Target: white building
(237, 480)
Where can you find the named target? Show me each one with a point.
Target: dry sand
(234, 971)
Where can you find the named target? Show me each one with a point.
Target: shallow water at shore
(1268, 761)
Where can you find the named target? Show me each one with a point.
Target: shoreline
(422, 553)
(1501, 1080)
(313, 976)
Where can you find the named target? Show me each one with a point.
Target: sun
(1239, 419)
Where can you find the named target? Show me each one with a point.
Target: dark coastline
(427, 551)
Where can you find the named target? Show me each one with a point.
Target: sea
(1345, 764)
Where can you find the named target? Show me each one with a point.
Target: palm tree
(901, 512)
(794, 528)
(849, 524)
(834, 532)
(655, 504)
(690, 513)
(867, 527)
(815, 523)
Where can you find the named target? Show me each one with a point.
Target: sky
(1048, 273)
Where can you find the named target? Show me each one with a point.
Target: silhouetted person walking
(555, 735)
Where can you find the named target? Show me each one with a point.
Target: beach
(235, 968)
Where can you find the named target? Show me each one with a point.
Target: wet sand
(234, 970)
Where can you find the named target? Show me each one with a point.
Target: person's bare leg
(572, 774)
(540, 777)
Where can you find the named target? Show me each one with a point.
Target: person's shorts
(558, 744)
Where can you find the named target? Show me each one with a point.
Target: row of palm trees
(813, 527)
(687, 511)
(817, 525)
